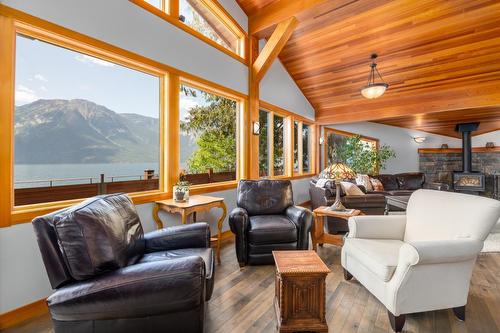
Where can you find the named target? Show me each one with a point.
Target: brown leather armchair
(109, 276)
(266, 220)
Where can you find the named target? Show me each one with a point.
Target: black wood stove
(467, 180)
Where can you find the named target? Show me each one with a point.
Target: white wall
(401, 140)
(124, 24)
(22, 275)
(278, 88)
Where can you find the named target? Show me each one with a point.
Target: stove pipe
(466, 130)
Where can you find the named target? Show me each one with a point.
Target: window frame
(170, 13)
(13, 22)
(240, 109)
(290, 118)
(327, 131)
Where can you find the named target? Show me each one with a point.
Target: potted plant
(181, 189)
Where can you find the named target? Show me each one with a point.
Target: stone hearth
(439, 167)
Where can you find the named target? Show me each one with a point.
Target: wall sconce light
(256, 128)
(321, 140)
(419, 139)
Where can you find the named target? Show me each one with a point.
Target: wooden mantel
(494, 149)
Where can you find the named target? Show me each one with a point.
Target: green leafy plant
(360, 156)
(214, 126)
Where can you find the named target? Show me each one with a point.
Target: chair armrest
(440, 251)
(139, 290)
(302, 218)
(178, 237)
(238, 223)
(377, 226)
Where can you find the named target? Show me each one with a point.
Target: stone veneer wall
(439, 167)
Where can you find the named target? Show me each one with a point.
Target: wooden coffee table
(196, 203)
(300, 291)
(318, 234)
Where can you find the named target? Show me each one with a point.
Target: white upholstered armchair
(423, 260)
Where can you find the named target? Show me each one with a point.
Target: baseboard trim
(17, 316)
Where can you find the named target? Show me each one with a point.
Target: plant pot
(181, 194)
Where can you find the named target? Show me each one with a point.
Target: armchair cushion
(100, 234)
(377, 226)
(195, 235)
(379, 256)
(139, 290)
(269, 229)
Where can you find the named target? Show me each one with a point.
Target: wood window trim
(241, 103)
(217, 10)
(290, 119)
(327, 131)
(12, 22)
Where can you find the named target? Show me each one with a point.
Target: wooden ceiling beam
(265, 19)
(273, 47)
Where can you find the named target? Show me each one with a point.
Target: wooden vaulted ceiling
(437, 56)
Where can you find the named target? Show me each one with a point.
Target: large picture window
(279, 157)
(334, 139)
(264, 143)
(82, 125)
(208, 142)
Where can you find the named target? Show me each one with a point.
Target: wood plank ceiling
(436, 55)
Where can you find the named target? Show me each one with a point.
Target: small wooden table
(300, 291)
(195, 203)
(318, 234)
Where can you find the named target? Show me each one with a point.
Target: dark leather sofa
(373, 203)
(109, 276)
(266, 220)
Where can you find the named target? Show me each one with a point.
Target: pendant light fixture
(374, 89)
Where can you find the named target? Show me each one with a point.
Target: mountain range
(80, 131)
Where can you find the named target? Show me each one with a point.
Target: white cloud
(93, 61)
(40, 77)
(185, 104)
(44, 88)
(24, 95)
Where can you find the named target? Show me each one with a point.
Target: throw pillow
(377, 185)
(365, 181)
(351, 189)
(322, 182)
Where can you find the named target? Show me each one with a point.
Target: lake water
(39, 174)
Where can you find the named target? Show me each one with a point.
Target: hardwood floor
(243, 302)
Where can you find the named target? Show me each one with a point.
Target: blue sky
(50, 72)
(45, 71)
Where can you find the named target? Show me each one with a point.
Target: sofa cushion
(351, 189)
(390, 182)
(267, 229)
(101, 234)
(379, 256)
(411, 180)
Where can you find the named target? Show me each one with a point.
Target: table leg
(156, 218)
(183, 217)
(313, 231)
(219, 229)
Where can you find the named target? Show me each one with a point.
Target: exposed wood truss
(273, 47)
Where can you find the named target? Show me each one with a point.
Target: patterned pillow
(351, 189)
(377, 185)
(365, 181)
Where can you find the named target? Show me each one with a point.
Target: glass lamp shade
(374, 90)
(339, 171)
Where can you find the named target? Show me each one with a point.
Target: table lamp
(339, 171)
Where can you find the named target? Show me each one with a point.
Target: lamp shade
(374, 90)
(338, 171)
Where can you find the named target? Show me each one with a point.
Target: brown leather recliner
(266, 220)
(109, 276)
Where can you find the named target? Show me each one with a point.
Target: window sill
(174, 21)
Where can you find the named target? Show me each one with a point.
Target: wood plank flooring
(242, 302)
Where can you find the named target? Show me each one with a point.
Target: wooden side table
(300, 291)
(318, 232)
(196, 203)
